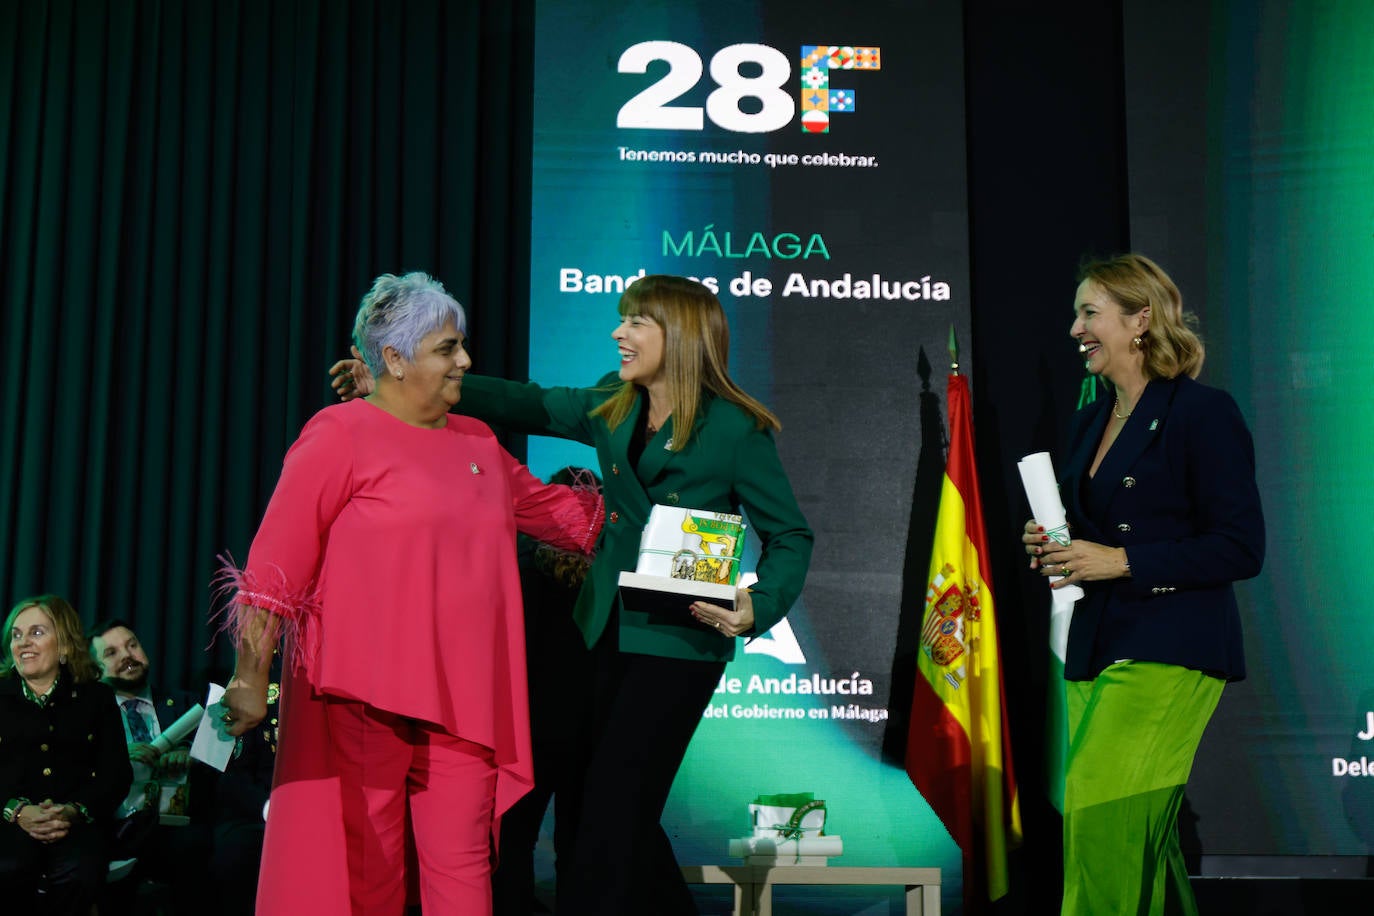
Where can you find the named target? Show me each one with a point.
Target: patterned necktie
(138, 728)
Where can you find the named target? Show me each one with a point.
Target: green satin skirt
(1133, 733)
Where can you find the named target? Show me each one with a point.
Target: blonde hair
(696, 352)
(66, 626)
(1171, 346)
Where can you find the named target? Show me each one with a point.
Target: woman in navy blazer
(1159, 490)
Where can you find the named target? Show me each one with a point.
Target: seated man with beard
(155, 816)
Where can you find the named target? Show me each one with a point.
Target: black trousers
(645, 711)
(233, 866)
(52, 878)
(560, 683)
(175, 856)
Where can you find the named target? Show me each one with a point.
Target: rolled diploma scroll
(179, 729)
(1042, 492)
(775, 846)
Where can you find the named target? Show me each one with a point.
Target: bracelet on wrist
(13, 807)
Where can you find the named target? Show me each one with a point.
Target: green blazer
(727, 465)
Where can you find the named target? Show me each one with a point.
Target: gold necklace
(1120, 416)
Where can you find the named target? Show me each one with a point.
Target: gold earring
(1138, 343)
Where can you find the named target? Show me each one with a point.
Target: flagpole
(958, 752)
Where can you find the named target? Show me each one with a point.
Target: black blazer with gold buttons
(71, 750)
(1176, 490)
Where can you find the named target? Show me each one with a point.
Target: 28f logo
(652, 108)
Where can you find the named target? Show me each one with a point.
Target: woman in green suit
(673, 429)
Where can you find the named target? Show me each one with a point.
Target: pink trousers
(398, 774)
(354, 787)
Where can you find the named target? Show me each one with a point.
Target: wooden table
(754, 883)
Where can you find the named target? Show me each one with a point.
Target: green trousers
(1133, 733)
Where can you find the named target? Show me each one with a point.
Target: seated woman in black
(64, 768)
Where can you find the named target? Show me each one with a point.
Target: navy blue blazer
(172, 705)
(1177, 491)
(168, 706)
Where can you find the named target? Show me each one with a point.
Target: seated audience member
(63, 765)
(168, 849)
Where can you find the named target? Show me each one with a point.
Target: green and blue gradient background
(1289, 317)
(1252, 180)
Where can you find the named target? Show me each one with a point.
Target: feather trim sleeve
(281, 575)
(569, 517)
(241, 594)
(583, 522)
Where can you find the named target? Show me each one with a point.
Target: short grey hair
(398, 312)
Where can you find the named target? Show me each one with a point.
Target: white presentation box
(685, 555)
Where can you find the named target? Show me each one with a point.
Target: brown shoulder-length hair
(1171, 345)
(70, 641)
(696, 352)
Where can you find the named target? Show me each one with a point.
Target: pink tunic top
(389, 552)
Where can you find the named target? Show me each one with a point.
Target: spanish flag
(958, 752)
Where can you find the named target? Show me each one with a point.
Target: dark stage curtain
(193, 197)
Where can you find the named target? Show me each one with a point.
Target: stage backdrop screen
(1252, 164)
(806, 162)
